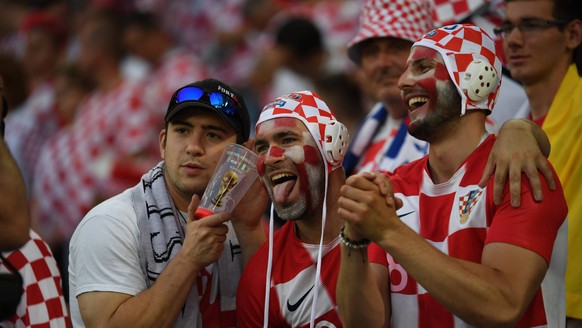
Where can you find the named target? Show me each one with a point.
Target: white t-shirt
(104, 253)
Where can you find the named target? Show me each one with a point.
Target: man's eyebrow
(204, 126)
(277, 136)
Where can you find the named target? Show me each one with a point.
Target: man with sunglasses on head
(542, 42)
(140, 258)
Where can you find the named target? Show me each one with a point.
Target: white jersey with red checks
(475, 221)
(292, 284)
(42, 303)
(74, 166)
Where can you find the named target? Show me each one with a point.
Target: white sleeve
(104, 251)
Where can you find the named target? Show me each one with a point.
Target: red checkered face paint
(428, 91)
(290, 166)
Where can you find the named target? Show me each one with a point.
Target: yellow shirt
(563, 125)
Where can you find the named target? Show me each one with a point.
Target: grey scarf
(162, 229)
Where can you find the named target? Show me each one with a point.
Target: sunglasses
(217, 100)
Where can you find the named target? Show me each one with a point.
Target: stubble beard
(434, 126)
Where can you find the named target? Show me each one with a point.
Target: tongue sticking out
(282, 191)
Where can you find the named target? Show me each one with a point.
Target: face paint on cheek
(296, 154)
(312, 155)
(261, 165)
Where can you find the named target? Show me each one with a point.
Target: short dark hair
(301, 36)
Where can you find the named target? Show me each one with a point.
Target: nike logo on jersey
(293, 307)
(405, 214)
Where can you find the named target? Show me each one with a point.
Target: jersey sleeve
(533, 225)
(104, 253)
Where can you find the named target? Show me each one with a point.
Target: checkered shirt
(459, 219)
(459, 45)
(71, 172)
(42, 303)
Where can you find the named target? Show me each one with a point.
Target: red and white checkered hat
(307, 107)
(403, 19)
(473, 65)
(448, 12)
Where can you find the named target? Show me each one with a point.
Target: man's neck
(447, 154)
(541, 93)
(309, 229)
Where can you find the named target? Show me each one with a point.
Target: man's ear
(162, 140)
(574, 34)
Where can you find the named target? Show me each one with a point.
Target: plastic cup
(234, 174)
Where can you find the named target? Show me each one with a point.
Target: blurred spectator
(171, 66)
(12, 13)
(294, 62)
(45, 40)
(98, 154)
(342, 93)
(42, 117)
(36, 120)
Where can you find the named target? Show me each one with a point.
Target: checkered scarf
(161, 236)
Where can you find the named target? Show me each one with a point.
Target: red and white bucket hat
(403, 19)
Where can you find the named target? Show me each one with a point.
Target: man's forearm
(157, 306)
(359, 296)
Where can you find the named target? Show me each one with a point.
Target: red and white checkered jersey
(475, 221)
(73, 166)
(292, 284)
(42, 303)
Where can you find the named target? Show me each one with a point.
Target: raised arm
(493, 292)
(160, 304)
(521, 146)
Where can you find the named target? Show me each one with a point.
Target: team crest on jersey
(467, 202)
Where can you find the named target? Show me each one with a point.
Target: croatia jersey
(292, 284)
(474, 221)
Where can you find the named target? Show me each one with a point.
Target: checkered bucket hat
(403, 19)
(473, 65)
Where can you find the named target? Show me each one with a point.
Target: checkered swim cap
(308, 107)
(473, 65)
(403, 19)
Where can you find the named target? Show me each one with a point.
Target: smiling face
(432, 98)
(290, 166)
(383, 60)
(534, 55)
(191, 147)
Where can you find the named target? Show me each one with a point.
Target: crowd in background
(87, 80)
(88, 83)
